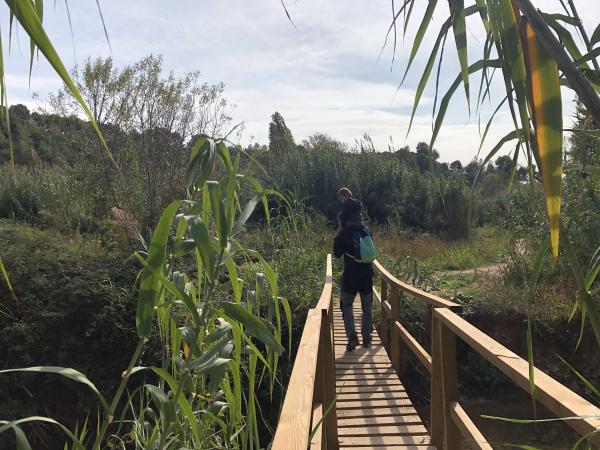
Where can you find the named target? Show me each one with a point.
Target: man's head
(343, 194)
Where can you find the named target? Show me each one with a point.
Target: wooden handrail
(325, 299)
(311, 389)
(471, 433)
(448, 419)
(553, 395)
(428, 298)
(295, 420)
(414, 345)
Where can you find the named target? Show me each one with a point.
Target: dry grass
(395, 244)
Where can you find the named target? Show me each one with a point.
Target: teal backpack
(363, 246)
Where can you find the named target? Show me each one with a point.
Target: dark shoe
(352, 343)
(366, 342)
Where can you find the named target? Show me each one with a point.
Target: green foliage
(215, 336)
(280, 137)
(52, 197)
(384, 182)
(73, 307)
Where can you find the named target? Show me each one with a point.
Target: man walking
(357, 277)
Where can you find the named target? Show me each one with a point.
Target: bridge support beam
(325, 392)
(444, 386)
(394, 335)
(383, 316)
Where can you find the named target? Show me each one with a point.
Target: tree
(280, 137)
(148, 119)
(321, 141)
(504, 166)
(456, 166)
(471, 171)
(423, 156)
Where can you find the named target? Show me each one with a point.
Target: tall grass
(221, 339)
(48, 194)
(387, 185)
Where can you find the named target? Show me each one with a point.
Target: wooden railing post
(444, 386)
(385, 326)
(327, 363)
(394, 336)
(437, 402)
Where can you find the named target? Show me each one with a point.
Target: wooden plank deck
(373, 409)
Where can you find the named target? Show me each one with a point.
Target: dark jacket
(351, 212)
(357, 277)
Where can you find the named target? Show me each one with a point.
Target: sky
(323, 73)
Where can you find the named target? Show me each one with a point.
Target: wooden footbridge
(355, 400)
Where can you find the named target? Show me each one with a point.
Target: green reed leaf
(584, 380)
(183, 403)
(511, 135)
(150, 284)
(27, 16)
(202, 162)
(66, 372)
(218, 210)
(457, 12)
(22, 441)
(253, 325)
(427, 72)
(595, 36)
(245, 215)
(546, 104)
(12, 424)
(446, 99)
(420, 34)
(203, 242)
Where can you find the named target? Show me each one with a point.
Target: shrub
(75, 307)
(52, 197)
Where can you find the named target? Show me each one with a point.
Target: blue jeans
(366, 303)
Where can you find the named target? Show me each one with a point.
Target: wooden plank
(412, 343)
(294, 422)
(385, 313)
(553, 395)
(330, 436)
(384, 430)
(401, 411)
(431, 299)
(352, 368)
(371, 389)
(452, 439)
(367, 377)
(325, 299)
(371, 404)
(358, 364)
(373, 384)
(471, 435)
(437, 394)
(383, 441)
(369, 396)
(394, 339)
(316, 442)
(379, 420)
(393, 447)
(364, 359)
(362, 352)
(349, 364)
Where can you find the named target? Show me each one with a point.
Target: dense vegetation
(84, 301)
(212, 319)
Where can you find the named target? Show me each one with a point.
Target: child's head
(343, 194)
